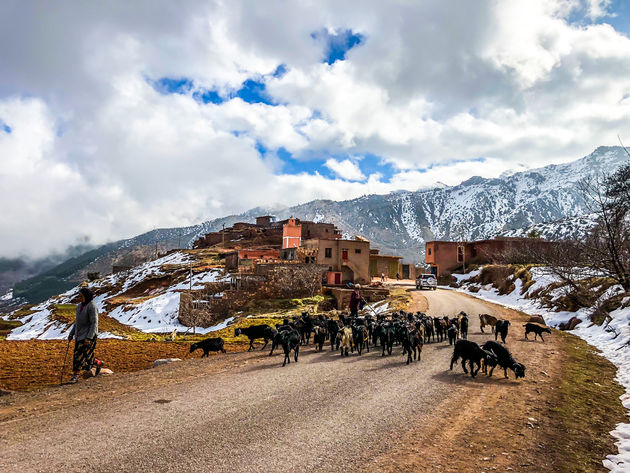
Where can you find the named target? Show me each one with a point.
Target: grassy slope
(587, 408)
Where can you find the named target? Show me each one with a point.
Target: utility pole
(223, 235)
(194, 319)
(156, 243)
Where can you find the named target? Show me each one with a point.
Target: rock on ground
(165, 361)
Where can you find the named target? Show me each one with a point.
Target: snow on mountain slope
(131, 298)
(563, 229)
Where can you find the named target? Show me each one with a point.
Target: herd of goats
(407, 330)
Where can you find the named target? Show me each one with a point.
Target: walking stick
(64, 364)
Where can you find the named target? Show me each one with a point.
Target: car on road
(428, 281)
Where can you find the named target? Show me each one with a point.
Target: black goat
(386, 337)
(452, 333)
(319, 336)
(360, 338)
(474, 354)
(306, 328)
(290, 340)
(333, 331)
(440, 328)
(412, 344)
(208, 345)
(463, 325)
(429, 330)
(501, 328)
(254, 332)
(537, 329)
(504, 359)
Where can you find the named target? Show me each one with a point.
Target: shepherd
(355, 301)
(84, 332)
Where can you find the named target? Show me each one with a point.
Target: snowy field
(611, 338)
(157, 314)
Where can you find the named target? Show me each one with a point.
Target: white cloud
(346, 169)
(95, 152)
(598, 8)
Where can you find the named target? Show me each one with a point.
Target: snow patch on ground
(611, 338)
(8, 296)
(159, 314)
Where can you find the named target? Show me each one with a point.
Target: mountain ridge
(398, 222)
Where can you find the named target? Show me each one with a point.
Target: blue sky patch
(207, 96)
(619, 17)
(169, 85)
(369, 163)
(253, 91)
(6, 128)
(372, 164)
(337, 45)
(280, 71)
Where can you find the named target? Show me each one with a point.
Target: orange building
(291, 234)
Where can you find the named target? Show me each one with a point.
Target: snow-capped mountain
(570, 228)
(401, 222)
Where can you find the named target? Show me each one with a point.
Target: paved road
(325, 413)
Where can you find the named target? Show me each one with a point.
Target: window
(460, 254)
(429, 251)
(344, 254)
(357, 251)
(328, 252)
(326, 230)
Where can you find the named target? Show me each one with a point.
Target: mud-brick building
(244, 260)
(446, 256)
(390, 266)
(345, 260)
(268, 233)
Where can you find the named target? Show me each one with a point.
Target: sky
(120, 117)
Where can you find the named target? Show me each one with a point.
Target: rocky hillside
(144, 299)
(398, 222)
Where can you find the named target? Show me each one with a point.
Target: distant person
(84, 332)
(355, 301)
(397, 277)
(382, 277)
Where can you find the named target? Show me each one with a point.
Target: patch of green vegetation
(274, 305)
(6, 326)
(22, 312)
(588, 410)
(64, 313)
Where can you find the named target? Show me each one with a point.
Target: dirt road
(243, 412)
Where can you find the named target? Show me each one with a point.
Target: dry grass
(34, 364)
(399, 299)
(588, 407)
